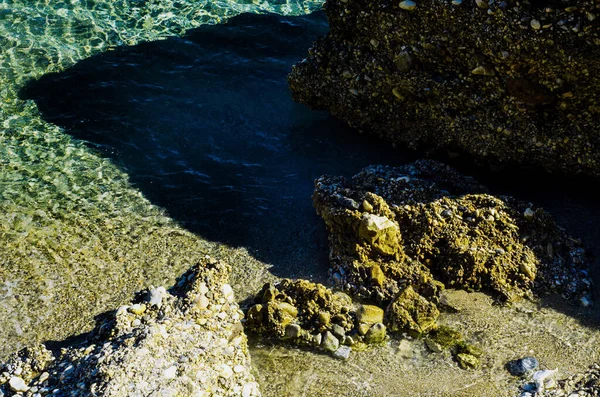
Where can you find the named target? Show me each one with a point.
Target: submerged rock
(522, 366)
(179, 348)
(320, 318)
(451, 234)
(412, 313)
(507, 82)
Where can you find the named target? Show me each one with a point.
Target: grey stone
(338, 331)
(330, 343)
(522, 366)
(292, 331)
(343, 352)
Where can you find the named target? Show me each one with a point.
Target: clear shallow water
(85, 224)
(205, 127)
(77, 237)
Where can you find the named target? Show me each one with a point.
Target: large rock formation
(398, 236)
(187, 342)
(508, 81)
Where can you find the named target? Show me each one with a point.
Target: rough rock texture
(585, 384)
(187, 342)
(508, 81)
(448, 233)
(311, 314)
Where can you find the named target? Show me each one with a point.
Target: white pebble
(202, 288)
(227, 292)
(238, 368)
(137, 309)
(202, 302)
(170, 373)
(17, 384)
(44, 376)
(156, 295)
(226, 371)
(535, 24)
(249, 389)
(540, 376)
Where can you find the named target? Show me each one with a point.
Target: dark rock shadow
(206, 128)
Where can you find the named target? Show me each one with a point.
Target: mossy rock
(411, 313)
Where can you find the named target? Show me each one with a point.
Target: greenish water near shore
(78, 239)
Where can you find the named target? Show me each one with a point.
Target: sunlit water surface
(173, 149)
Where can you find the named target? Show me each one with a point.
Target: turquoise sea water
(137, 136)
(76, 236)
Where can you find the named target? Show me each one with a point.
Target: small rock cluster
(585, 384)
(398, 238)
(310, 314)
(184, 342)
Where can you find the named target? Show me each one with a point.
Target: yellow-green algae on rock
(448, 233)
(75, 237)
(310, 314)
(504, 81)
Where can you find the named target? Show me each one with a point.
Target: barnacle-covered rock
(451, 234)
(412, 313)
(505, 81)
(320, 317)
(179, 345)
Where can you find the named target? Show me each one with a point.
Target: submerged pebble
(522, 366)
(408, 5)
(343, 352)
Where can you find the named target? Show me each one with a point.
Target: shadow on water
(206, 128)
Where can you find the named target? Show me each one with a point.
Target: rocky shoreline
(398, 238)
(75, 216)
(188, 341)
(506, 82)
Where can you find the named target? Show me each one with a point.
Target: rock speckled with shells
(170, 346)
(504, 81)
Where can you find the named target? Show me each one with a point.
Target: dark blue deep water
(206, 128)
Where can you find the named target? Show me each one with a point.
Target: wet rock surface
(310, 314)
(185, 342)
(584, 384)
(504, 81)
(450, 234)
